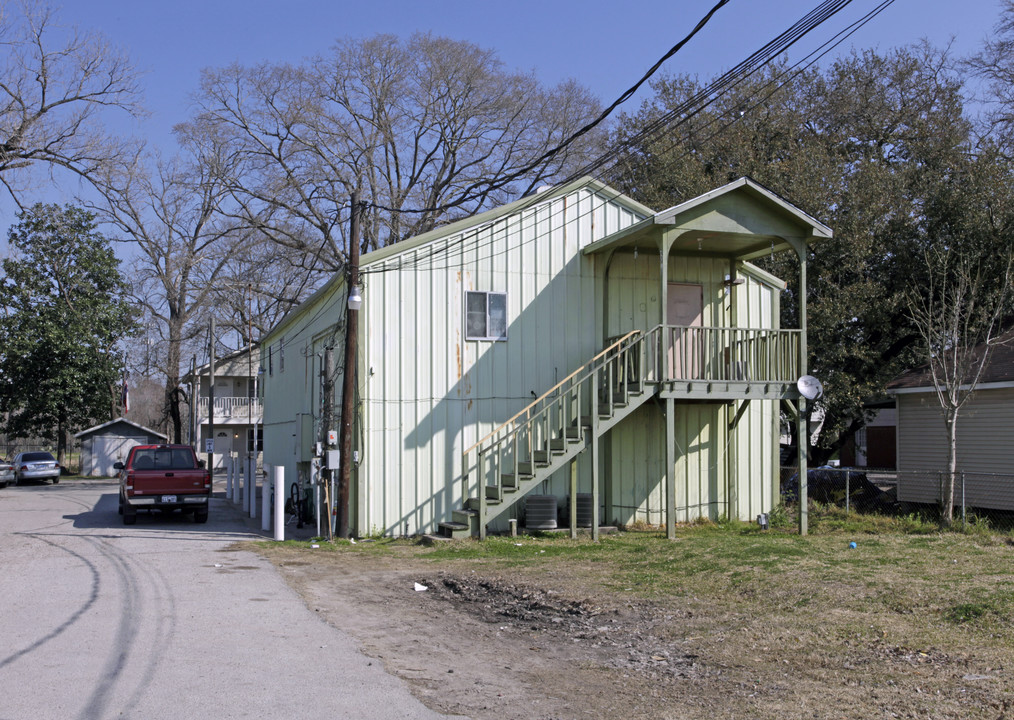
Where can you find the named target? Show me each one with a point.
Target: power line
(553, 152)
(686, 111)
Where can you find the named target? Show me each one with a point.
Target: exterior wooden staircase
(520, 454)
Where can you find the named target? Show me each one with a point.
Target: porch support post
(573, 499)
(802, 445)
(802, 424)
(665, 242)
(670, 468)
(595, 476)
(732, 466)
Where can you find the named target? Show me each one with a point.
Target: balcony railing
(238, 408)
(722, 354)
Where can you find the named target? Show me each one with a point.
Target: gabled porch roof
(742, 220)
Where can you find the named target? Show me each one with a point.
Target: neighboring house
(985, 451)
(238, 412)
(875, 444)
(574, 330)
(108, 443)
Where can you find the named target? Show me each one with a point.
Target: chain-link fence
(904, 491)
(860, 489)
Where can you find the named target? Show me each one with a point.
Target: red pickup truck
(163, 477)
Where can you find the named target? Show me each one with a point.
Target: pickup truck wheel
(129, 515)
(56, 480)
(201, 516)
(120, 509)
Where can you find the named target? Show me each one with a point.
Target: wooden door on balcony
(685, 307)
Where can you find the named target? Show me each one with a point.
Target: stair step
(492, 494)
(464, 517)
(558, 446)
(455, 530)
(526, 469)
(574, 434)
(509, 482)
(541, 457)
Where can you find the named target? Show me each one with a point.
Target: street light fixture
(355, 298)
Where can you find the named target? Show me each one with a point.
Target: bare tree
(172, 211)
(430, 129)
(257, 287)
(55, 84)
(963, 307)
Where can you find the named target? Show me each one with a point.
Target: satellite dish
(810, 387)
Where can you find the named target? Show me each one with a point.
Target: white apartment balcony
(231, 410)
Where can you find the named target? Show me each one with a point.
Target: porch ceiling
(741, 220)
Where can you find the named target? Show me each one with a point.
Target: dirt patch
(516, 644)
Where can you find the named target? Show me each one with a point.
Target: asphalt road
(164, 619)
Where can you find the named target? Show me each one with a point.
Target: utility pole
(349, 377)
(327, 426)
(195, 399)
(211, 399)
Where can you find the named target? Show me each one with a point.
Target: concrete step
(455, 530)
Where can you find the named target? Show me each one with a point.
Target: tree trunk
(947, 501)
(61, 442)
(172, 380)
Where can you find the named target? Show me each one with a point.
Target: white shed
(105, 444)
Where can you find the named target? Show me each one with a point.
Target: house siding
(984, 447)
(428, 393)
(425, 393)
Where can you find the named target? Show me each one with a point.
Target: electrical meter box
(331, 458)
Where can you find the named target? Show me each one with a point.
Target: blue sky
(605, 46)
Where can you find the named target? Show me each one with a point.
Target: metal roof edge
(459, 226)
(763, 276)
(121, 419)
(818, 229)
(497, 213)
(1005, 384)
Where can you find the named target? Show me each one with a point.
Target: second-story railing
(722, 354)
(232, 407)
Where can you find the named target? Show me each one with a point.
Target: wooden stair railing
(529, 447)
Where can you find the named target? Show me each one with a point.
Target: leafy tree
(860, 146)
(64, 311)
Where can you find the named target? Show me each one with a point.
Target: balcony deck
(721, 363)
(231, 410)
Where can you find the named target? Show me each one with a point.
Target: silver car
(35, 466)
(6, 473)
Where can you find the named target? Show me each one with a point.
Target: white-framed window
(485, 315)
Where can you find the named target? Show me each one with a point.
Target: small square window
(485, 316)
